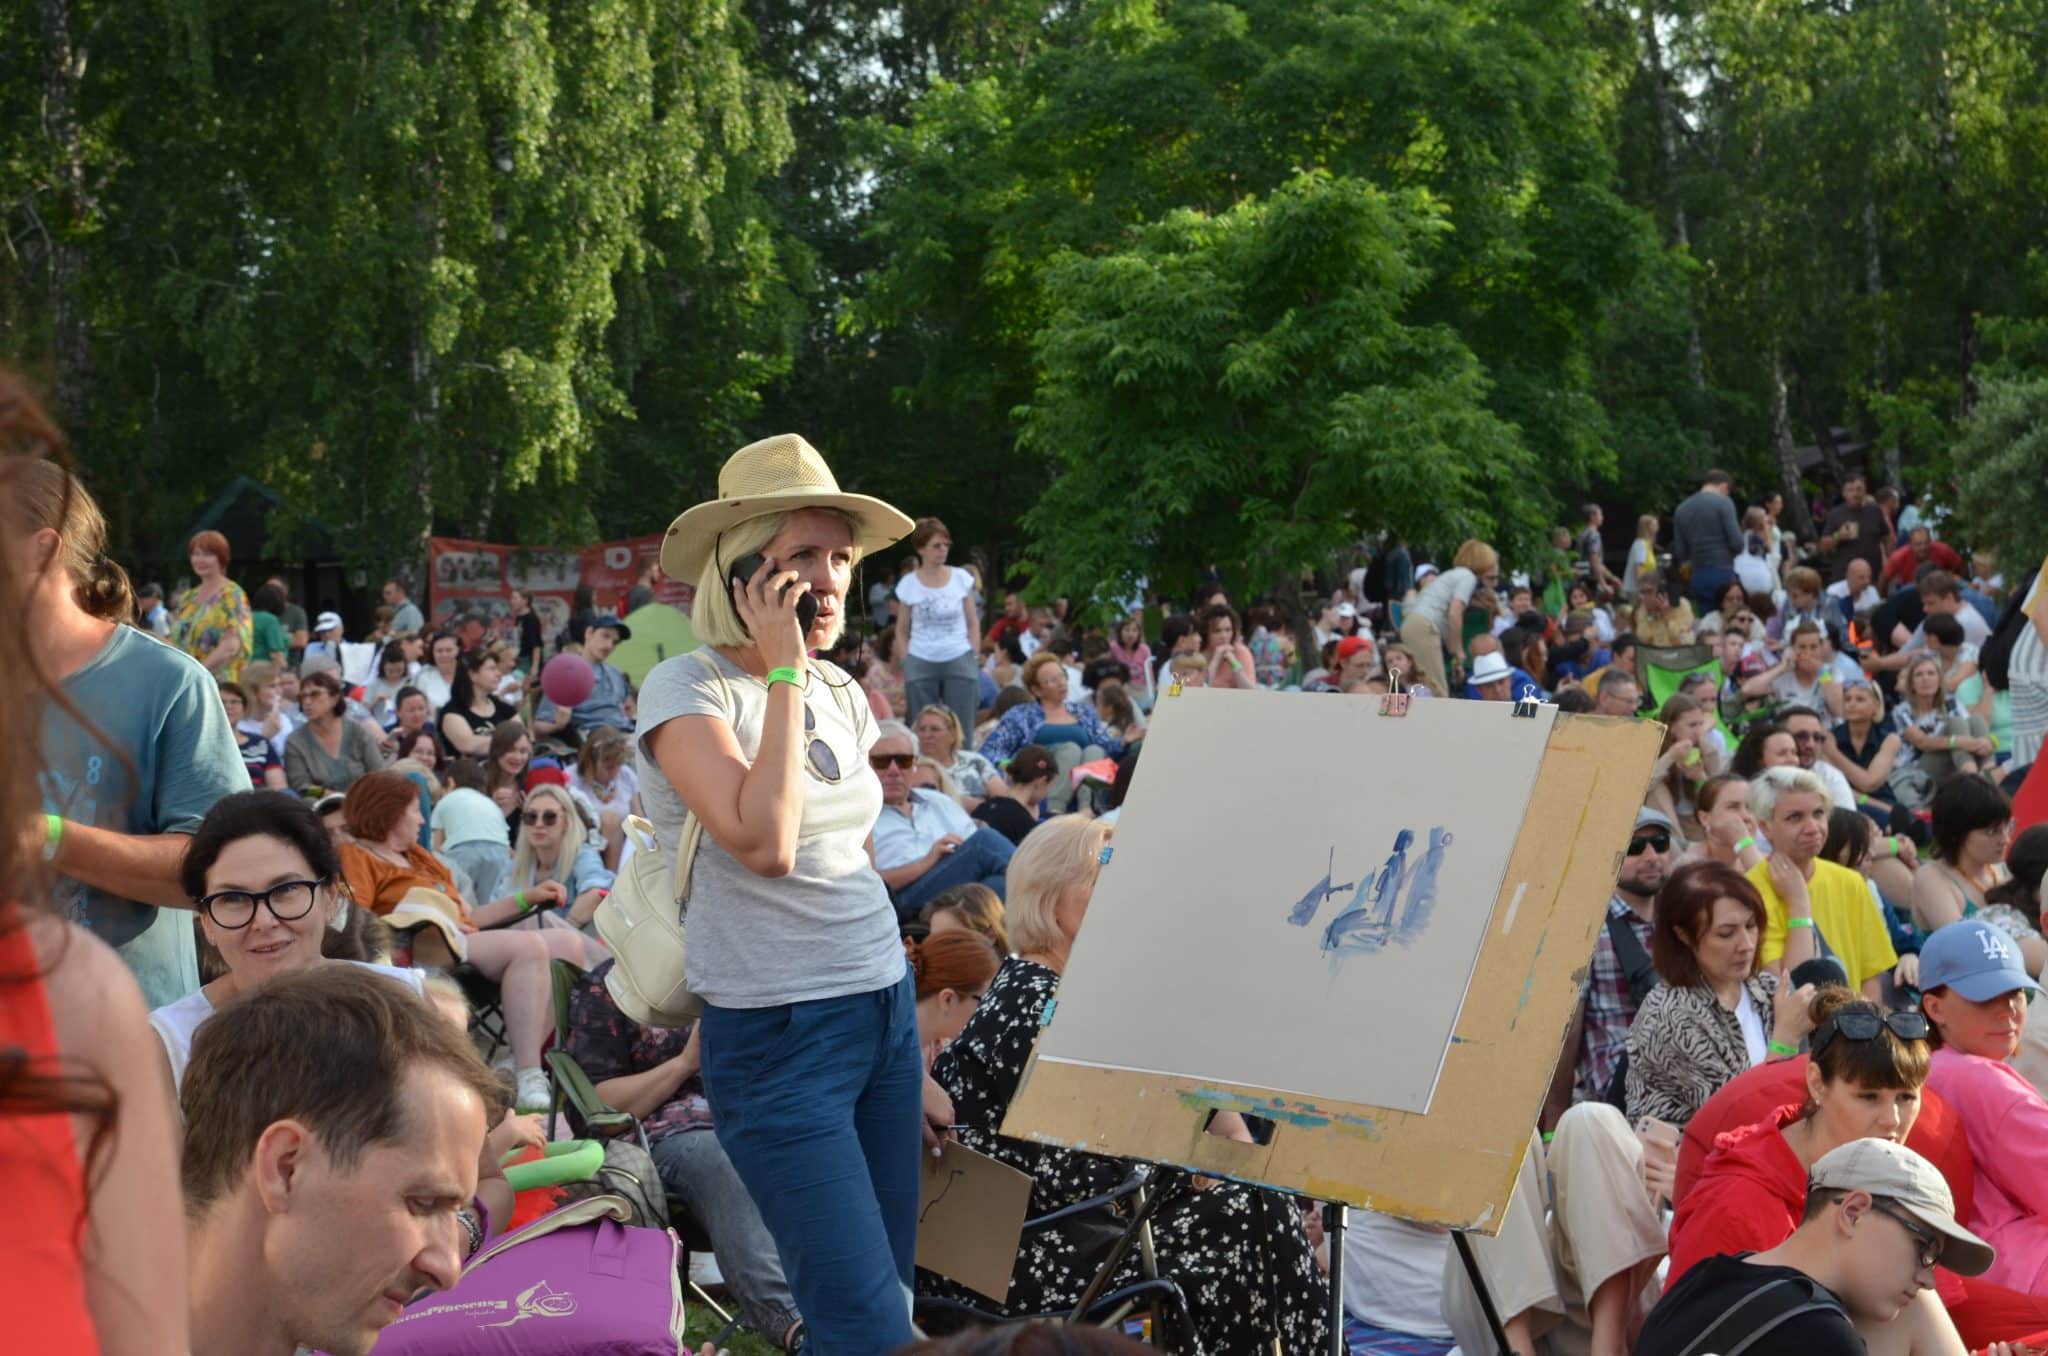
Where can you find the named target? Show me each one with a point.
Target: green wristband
(785, 674)
(1780, 1048)
(1798, 922)
(519, 898)
(1746, 842)
(53, 835)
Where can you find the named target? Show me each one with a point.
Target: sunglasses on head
(1655, 840)
(903, 761)
(547, 817)
(1863, 1023)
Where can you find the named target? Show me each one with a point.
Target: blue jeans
(694, 1166)
(818, 1107)
(983, 856)
(1706, 585)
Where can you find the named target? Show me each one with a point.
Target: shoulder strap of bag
(692, 832)
(1636, 966)
(1758, 1322)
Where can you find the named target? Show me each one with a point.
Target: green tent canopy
(658, 632)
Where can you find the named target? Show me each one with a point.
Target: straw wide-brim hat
(776, 475)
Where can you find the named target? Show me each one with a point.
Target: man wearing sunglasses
(1621, 975)
(1878, 1218)
(923, 841)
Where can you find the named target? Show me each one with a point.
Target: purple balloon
(567, 680)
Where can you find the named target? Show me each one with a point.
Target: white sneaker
(533, 1093)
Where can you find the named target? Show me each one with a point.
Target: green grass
(702, 1325)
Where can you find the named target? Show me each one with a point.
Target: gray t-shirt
(152, 708)
(826, 929)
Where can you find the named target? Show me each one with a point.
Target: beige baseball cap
(1915, 1185)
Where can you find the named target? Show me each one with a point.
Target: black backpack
(1760, 1313)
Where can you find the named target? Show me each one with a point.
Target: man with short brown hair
(333, 1123)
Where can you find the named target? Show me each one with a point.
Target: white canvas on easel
(1331, 872)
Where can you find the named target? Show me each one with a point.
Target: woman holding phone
(754, 772)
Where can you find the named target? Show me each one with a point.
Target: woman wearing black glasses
(556, 845)
(266, 879)
(754, 771)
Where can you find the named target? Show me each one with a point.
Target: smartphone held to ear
(746, 567)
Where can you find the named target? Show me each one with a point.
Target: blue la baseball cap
(1974, 959)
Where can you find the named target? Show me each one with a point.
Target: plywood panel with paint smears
(1453, 1164)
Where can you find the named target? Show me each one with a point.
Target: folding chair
(1173, 1326)
(589, 1116)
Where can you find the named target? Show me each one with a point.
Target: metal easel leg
(1500, 1334)
(1336, 1215)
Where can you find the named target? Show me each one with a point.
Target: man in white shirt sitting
(1854, 595)
(923, 842)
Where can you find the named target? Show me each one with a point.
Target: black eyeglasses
(1862, 1024)
(1656, 840)
(818, 754)
(1930, 1243)
(547, 817)
(287, 901)
(904, 761)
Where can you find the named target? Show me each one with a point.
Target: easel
(1453, 1164)
(1336, 1216)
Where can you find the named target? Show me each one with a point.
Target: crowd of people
(884, 816)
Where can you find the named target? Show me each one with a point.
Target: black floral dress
(1238, 1252)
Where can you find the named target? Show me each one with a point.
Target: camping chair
(590, 1117)
(1134, 1200)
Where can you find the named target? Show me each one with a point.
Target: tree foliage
(1197, 107)
(382, 251)
(1243, 383)
(531, 268)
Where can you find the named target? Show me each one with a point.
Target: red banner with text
(476, 578)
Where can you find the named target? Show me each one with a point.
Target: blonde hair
(978, 908)
(712, 616)
(945, 713)
(1054, 858)
(945, 775)
(525, 869)
(1476, 556)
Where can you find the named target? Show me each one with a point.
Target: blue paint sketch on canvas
(1368, 922)
(1304, 910)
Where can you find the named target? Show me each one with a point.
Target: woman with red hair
(213, 623)
(386, 866)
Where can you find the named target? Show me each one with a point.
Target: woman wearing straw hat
(754, 760)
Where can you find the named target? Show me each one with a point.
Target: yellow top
(1844, 911)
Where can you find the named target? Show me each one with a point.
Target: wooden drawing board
(1454, 1166)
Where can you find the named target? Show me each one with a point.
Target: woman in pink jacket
(1975, 990)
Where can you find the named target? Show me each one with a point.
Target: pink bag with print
(575, 1282)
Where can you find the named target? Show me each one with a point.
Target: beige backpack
(641, 920)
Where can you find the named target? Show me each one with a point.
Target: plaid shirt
(1609, 1008)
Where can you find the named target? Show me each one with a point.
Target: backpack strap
(1754, 1320)
(692, 832)
(1636, 966)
